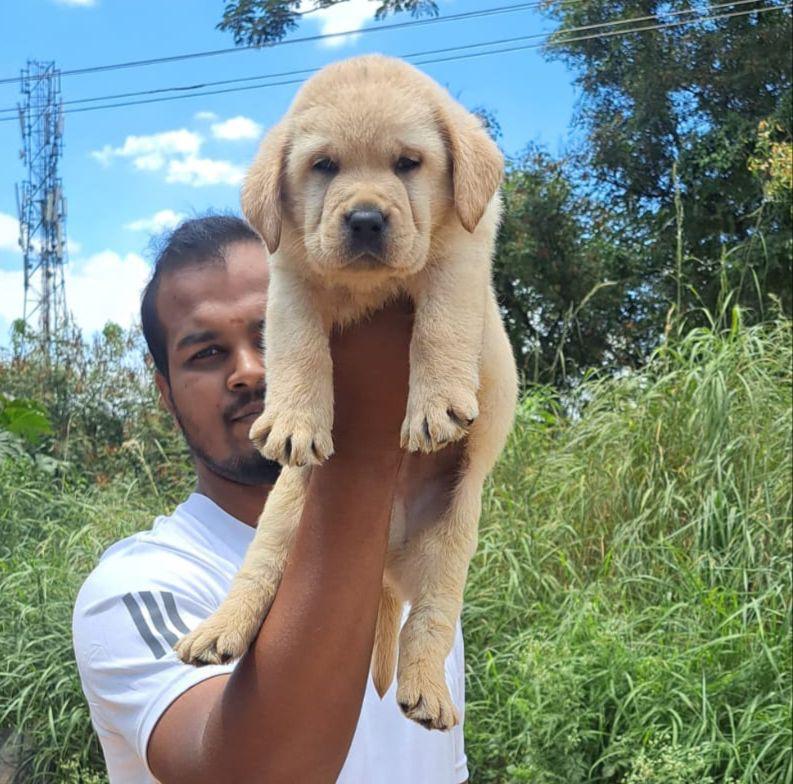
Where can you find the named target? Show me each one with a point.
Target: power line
(305, 39)
(201, 85)
(554, 42)
(582, 28)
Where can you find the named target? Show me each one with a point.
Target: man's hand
(289, 710)
(371, 373)
(371, 367)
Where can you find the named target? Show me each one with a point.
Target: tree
(679, 197)
(566, 282)
(689, 100)
(263, 22)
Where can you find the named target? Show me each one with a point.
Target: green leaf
(25, 418)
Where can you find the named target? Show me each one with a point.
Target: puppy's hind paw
(426, 702)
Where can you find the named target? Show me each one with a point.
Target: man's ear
(164, 389)
(476, 162)
(262, 189)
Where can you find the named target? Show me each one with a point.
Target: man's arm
(289, 710)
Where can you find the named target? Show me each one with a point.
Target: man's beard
(250, 469)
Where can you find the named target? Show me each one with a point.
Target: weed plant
(627, 615)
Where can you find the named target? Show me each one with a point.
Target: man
(299, 706)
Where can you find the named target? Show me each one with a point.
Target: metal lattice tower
(40, 202)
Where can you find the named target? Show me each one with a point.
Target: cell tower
(40, 202)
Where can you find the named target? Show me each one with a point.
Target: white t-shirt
(150, 589)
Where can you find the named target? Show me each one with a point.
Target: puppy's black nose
(366, 222)
(365, 228)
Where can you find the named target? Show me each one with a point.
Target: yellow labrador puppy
(377, 184)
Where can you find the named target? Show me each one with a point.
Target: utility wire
(305, 39)
(567, 31)
(554, 42)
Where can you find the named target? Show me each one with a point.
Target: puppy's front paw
(436, 419)
(292, 437)
(426, 700)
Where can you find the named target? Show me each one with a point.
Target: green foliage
(563, 280)
(628, 612)
(24, 418)
(53, 533)
(263, 22)
(86, 457)
(691, 97)
(627, 617)
(101, 406)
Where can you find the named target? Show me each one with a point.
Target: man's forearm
(289, 711)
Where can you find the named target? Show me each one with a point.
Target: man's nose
(248, 371)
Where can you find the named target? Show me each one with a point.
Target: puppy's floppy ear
(263, 185)
(477, 163)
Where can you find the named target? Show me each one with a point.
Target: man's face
(212, 315)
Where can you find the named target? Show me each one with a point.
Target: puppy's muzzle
(366, 229)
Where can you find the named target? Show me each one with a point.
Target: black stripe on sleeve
(156, 616)
(142, 626)
(173, 613)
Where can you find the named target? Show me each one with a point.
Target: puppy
(377, 184)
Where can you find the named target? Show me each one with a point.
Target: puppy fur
(343, 146)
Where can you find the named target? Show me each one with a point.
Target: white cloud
(198, 172)
(11, 294)
(80, 3)
(104, 287)
(163, 219)
(206, 116)
(237, 128)
(150, 153)
(176, 154)
(9, 232)
(351, 15)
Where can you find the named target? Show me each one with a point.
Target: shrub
(627, 617)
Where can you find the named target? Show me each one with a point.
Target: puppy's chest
(344, 306)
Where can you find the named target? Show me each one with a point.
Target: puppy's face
(366, 184)
(370, 161)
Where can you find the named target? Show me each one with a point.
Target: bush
(54, 530)
(627, 615)
(103, 408)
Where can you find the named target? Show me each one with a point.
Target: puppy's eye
(405, 164)
(325, 165)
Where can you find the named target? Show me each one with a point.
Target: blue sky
(129, 171)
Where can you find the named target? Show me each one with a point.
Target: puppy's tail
(386, 634)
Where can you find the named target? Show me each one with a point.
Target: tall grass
(52, 532)
(627, 616)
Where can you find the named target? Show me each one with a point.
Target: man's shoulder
(156, 562)
(138, 558)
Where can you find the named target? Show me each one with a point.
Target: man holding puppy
(299, 706)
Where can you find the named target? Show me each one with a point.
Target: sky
(131, 172)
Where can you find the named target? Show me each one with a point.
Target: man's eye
(325, 165)
(205, 353)
(405, 164)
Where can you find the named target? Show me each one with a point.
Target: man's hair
(193, 242)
